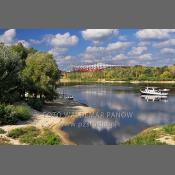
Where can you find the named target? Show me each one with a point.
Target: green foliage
(2, 131)
(23, 132)
(46, 138)
(40, 75)
(10, 114)
(33, 136)
(151, 136)
(22, 112)
(7, 115)
(145, 138)
(169, 129)
(26, 70)
(9, 74)
(36, 103)
(140, 73)
(166, 75)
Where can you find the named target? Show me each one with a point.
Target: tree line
(130, 73)
(26, 71)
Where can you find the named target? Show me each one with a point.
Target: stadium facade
(93, 68)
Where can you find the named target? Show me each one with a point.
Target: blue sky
(151, 47)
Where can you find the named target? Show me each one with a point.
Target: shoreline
(43, 119)
(122, 82)
(155, 135)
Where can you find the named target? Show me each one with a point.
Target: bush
(169, 129)
(10, 114)
(7, 115)
(20, 132)
(33, 136)
(35, 104)
(16, 133)
(47, 138)
(22, 112)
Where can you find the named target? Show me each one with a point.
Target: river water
(121, 112)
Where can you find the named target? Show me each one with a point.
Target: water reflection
(146, 111)
(153, 98)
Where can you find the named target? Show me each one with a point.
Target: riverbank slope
(48, 119)
(160, 135)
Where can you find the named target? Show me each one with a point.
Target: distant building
(93, 68)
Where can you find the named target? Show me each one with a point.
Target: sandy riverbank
(48, 118)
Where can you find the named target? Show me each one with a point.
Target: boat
(154, 91)
(69, 97)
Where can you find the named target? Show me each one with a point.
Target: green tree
(9, 74)
(23, 53)
(166, 75)
(41, 75)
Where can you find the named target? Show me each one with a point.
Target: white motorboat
(154, 91)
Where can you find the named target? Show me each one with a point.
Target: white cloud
(92, 49)
(145, 57)
(63, 40)
(169, 42)
(122, 38)
(168, 51)
(120, 57)
(117, 45)
(110, 47)
(143, 43)
(98, 34)
(154, 33)
(8, 36)
(137, 50)
(56, 51)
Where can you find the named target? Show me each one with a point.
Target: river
(121, 112)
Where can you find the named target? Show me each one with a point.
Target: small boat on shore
(154, 91)
(69, 97)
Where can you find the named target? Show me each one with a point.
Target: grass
(151, 136)
(148, 137)
(34, 136)
(2, 131)
(169, 129)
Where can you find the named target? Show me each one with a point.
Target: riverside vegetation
(26, 71)
(133, 73)
(155, 136)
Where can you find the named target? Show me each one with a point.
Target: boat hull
(157, 94)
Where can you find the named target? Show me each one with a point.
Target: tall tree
(41, 74)
(10, 67)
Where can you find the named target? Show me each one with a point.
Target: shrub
(35, 104)
(20, 132)
(7, 115)
(16, 133)
(22, 112)
(169, 129)
(33, 136)
(47, 138)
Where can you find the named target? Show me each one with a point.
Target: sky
(72, 47)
